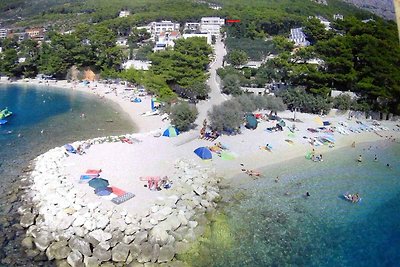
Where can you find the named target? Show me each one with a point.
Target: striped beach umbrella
(171, 132)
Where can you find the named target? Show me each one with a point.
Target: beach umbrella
(103, 191)
(227, 156)
(136, 100)
(69, 148)
(171, 132)
(98, 183)
(203, 152)
(251, 122)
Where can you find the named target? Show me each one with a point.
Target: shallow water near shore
(43, 118)
(274, 224)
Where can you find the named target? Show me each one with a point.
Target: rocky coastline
(64, 228)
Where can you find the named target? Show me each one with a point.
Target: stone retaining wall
(63, 226)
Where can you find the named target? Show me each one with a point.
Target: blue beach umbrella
(203, 152)
(98, 183)
(171, 132)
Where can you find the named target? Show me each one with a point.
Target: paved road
(215, 96)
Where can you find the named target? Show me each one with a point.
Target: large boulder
(80, 245)
(156, 253)
(27, 219)
(131, 229)
(146, 253)
(58, 250)
(100, 235)
(134, 250)
(158, 236)
(91, 262)
(167, 253)
(120, 252)
(42, 240)
(101, 254)
(140, 237)
(75, 259)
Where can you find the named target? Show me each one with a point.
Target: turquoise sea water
(44, 117)
(275, 224)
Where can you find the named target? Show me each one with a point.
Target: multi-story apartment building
(35, 33)
(164, 26)
(211, 25)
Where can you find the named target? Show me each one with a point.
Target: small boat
(5, 113)
(354, 198)
(3, 122)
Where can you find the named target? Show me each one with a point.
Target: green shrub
(227, 116)
(342, 102)
(231, 85)
(183, 115)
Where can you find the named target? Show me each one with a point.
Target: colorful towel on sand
(117, 191)
(123, 198)
(87, 177)
(93, 171)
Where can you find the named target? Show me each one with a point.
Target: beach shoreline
(56, 177)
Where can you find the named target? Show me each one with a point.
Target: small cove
(44, 117)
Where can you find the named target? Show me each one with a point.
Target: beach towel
(121, 199)
(93, 171)
(117, 191)
(87, 177)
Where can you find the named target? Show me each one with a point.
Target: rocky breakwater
(61, 226)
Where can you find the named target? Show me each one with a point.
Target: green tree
(231, 85)
(183, 115)
(237, 57)
(282, 44)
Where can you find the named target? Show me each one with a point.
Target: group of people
(154, 183)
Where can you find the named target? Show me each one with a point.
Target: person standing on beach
(353, 145)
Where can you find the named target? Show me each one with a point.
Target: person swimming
(359, 158)
(376, 158)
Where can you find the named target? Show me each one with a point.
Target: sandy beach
(123, 164)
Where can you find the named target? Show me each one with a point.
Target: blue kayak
(3, 122)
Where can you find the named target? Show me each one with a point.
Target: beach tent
(136, 100)
(154, 103)
(282, 123)
(171, 132)
(98, 183)
(251, 122)
(69, 148)
(203, 152)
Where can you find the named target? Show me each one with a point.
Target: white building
(191, 27)
(325, 22)
(211, 25)
(124, 13)
(298, 37)
(204, 35)
(137, 64)
(338, 16)
(122, 42)
(3, 33)
(166, 39)
(164, 26)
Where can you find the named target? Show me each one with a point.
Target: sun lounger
(121, 199)
(93, 171)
